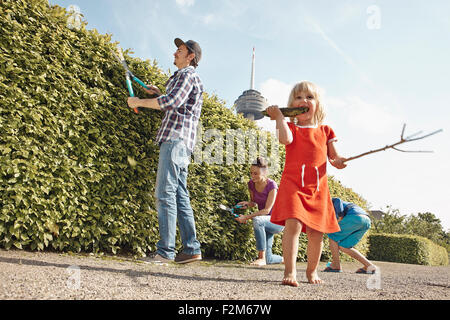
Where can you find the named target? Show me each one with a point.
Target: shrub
(406, 249)
(66, 135)
(77, 166)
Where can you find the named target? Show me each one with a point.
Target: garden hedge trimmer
(128, 74)
(231, 210)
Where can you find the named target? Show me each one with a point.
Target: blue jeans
(172, 200)
(264, 232)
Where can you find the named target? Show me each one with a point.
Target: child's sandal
(329, 269)
(364, 271)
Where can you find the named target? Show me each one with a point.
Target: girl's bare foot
(290, 280)
(259, 262)
(313, 277)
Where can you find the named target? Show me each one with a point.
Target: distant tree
(391, 222)
(426, 225)
(446, 240)
(422, 224)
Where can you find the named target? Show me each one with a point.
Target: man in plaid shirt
(182, 104)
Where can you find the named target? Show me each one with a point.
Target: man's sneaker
(186, 258)
(155, 258)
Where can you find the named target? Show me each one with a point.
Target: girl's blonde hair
(311, 89)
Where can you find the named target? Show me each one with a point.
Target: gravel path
(45, 275)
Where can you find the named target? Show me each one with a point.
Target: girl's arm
(269, 203)
(248, 204)
(284, 133)
(335, 159)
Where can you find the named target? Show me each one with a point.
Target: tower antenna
(252, 79)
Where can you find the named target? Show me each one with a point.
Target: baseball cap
(192, 46)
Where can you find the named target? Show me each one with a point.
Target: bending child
(303, 203)
(354, 223)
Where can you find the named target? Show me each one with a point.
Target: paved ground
(44, 275)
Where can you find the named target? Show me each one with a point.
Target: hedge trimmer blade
(121, 59)
(289, 112)
(230, 210)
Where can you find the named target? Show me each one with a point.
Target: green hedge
(78, 167)
(406, 249)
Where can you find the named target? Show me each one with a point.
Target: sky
(379, 64)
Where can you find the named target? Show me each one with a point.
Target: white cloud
(361, 115)
(209, 18)
(352, 112)
(276, 92)
(185, 3)
(267, 124)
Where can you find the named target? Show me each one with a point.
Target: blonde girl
(303, 203)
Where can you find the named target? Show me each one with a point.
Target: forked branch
(394, 145)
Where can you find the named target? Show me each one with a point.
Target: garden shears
(128, 74)
(231, 210)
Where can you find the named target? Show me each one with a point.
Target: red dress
(303, 193)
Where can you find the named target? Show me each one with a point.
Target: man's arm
(178, 93)
(134, 102)
(172, 100)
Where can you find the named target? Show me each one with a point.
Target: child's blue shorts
(353, 228)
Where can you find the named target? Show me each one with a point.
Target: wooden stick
(393, 146)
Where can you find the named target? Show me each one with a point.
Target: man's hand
(134, 102)
(153, 90)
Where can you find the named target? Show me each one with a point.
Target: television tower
(250, 103)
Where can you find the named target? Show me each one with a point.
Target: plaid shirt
(182, 104)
